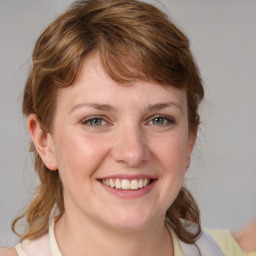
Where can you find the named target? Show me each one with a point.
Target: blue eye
(94, 121)
(158, 121)
(161, 120)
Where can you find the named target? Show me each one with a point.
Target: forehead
(93, 84)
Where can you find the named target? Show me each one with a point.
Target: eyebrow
(107, 107)
(103, 107)
(160, 106)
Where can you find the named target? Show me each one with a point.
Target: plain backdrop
(222, 175)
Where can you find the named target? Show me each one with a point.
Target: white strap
(44, 246)
(55, 251)
(20, 250)
(37, 247)
(206, 245)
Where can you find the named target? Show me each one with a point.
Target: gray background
(222, 174)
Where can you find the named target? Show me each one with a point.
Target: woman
(112, 101)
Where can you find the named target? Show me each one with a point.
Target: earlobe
(42, 141)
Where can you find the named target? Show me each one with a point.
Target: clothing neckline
(54, 248)
(176, 244)
(55, 251)
(29, 247)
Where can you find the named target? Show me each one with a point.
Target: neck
(84, 238)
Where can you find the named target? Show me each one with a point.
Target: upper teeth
(126, 184)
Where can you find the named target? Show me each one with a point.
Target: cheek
(78, 154)
(171, 158)
(172, 151)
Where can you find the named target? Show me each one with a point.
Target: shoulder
(207, 245)
(226, 241)
(8, 252)
(246, 237)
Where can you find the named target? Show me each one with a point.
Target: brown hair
(134, 40)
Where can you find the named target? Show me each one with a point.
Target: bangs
(142, 57)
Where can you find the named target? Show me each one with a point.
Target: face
(121, 151)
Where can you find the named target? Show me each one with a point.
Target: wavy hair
(135, 41)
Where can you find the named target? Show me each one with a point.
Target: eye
(161, 120)
(94, 121)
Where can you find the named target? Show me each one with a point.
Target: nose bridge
(131, 146)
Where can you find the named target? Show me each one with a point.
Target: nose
(130, 147)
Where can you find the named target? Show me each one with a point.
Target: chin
(131, 220)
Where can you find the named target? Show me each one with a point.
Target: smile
(125, 184)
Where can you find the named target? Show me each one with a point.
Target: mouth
(127, 184)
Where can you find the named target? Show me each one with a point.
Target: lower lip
(130, 193)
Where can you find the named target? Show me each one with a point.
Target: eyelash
(87, 121)
(165, 119)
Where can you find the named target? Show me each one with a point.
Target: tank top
(47, 245)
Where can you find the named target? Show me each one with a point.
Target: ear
(191, 142)
(43, 142)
